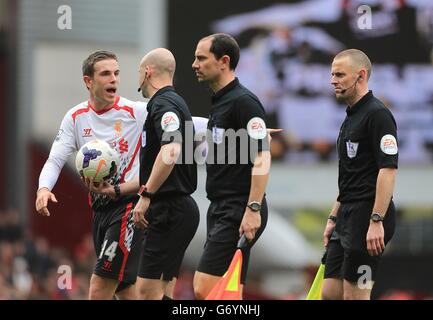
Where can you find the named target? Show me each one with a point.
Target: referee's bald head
(357, 58)
(162, 62)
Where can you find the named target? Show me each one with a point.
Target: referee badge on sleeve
(388, 144)
(170, 122)
(352, 149)
(256, 128)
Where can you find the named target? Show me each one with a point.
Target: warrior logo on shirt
(87, 132)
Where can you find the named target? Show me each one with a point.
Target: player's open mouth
(111, 91)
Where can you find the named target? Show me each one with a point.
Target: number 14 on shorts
(110, 252)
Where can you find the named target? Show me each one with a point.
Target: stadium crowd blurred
(30, 269)
(29, 265)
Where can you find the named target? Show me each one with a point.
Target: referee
(167, 178)
(362, 220)
(237, 163)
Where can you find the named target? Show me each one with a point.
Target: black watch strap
(255, 206)
(144, 193)
(333, 218)
(376, 217)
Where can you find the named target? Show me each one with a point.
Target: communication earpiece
(357, 79)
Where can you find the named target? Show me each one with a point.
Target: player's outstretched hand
(271, 132)
(43, 196)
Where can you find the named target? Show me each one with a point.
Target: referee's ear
(226, 61)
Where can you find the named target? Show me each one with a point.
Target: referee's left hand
(139, 213)
(250, 224)
(375, 238)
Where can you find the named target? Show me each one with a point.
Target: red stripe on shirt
(128, 168)
(122, 240)
(80, 111)
(115, 106)
(126, 108)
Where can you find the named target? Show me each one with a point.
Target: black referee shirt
(367, 142)
(167, 113)
(236, 133)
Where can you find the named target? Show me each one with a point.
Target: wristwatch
(255, 206)
(376, 217)
(144, 193)
(333, 218)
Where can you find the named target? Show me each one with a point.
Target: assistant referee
(362, 220)
(237, 163)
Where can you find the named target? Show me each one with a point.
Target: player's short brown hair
(89, 62)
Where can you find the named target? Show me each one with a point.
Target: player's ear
(87, 81)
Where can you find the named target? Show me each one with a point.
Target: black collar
(158, 93)
(352, 110)
(224, 90)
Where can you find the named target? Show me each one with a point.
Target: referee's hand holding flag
(228, 287)
(315, 292)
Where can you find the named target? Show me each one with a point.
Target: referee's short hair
(224, 44)
(358, 58)
(89, 62)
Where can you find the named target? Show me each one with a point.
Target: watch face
(255, 206)
(376, 217)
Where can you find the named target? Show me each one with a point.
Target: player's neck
(158, 85)
(99, 104)
(222, 81)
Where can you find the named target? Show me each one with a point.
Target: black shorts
(117, 243)
(173, 222)
(224, 218)
(347, 256)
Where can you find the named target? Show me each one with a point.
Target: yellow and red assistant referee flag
(229, 286)
(315, 292)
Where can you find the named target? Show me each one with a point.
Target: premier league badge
(217, 135)
(352, 149)
(143, 138)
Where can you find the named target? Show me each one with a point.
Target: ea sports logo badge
(256, 128)
(388, 144)
(170, 122)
